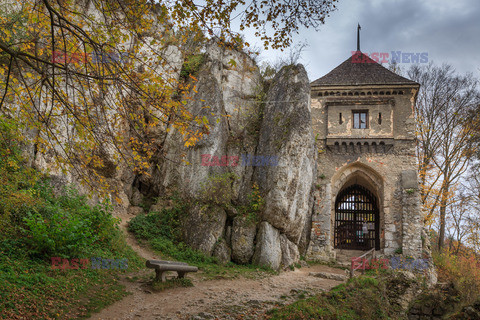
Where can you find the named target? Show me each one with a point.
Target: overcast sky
(449, 31)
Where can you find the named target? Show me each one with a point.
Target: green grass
(36, 225)
(362, 297)
(171, 283)
(31, 289)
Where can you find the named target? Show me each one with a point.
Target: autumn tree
(459, 215)
(473, 221)
(97, 82)
(444, 130)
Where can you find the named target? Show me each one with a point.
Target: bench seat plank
(152, 262)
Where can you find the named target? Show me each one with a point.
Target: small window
(360, 119)
(379, 118)
(340, 121)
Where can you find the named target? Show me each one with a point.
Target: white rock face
(223, 95)
(268, 250)
(203, 227)
(290, 253)
(287, 133)
(191, 177)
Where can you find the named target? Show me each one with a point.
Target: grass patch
(37, 225)
(171, 283)
(31, 289)
(362, 297)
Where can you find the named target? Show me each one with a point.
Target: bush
(60, 235)
(158, 224)
(462, 270)
(48, 225)
(66, 226)
(191, 66)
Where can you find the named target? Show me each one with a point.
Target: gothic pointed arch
(357, 208)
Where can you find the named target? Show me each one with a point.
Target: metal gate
(356, 219)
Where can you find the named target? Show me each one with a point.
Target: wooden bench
(161, 267)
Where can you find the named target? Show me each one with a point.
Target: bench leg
(160, 275)
(181, 275)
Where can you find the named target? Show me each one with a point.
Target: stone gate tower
(366, 191)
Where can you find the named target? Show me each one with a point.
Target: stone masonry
(364, 127)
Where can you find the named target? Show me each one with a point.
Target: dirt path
(216, 299)
(132, 242)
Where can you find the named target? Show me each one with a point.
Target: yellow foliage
(87, 79)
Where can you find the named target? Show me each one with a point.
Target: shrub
(191, 65)
(255, 205)
(462, 270)
(67, 226)
(60, 235)
(158, 224)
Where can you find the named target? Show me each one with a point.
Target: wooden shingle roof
(359, 70)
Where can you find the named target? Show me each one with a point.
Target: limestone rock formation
(242, 239)
(212, 177)
(224, 96)
(268, 251)
(203, 226)
(287, 133)
(290, 253)
(222, 252)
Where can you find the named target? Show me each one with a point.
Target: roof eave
(363, 85)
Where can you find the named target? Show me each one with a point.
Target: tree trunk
(443, 210)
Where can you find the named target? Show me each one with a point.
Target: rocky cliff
(248, 182)
(260, 144)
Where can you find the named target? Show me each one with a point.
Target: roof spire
(358, 37)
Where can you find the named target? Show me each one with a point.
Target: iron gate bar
(353, 206)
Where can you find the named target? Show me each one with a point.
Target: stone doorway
(356, 219)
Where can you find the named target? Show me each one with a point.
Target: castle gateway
(366, 192)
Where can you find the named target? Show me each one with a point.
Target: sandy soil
(214, 299)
